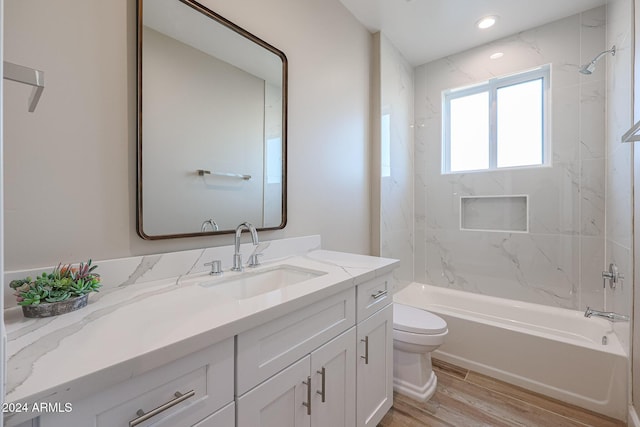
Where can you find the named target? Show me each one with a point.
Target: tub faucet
(237, 256)
(609, 315)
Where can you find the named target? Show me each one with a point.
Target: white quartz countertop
(128, 330)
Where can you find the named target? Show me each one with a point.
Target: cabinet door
(375, 367)
(281, 401)
(333, 376)
(225, 417)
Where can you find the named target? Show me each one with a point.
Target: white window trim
(491, 87)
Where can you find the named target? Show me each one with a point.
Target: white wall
(3, 364)
(620, 160)
(195, 121)
(559, 261)
(396, 184)
(70, 167)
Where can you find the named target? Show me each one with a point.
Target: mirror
(212, 114)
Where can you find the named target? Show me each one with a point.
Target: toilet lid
(412, 319)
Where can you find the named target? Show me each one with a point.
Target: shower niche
(495, 213)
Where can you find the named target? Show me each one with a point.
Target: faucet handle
(253, 260)
(216, 267)
(612, 275)
(257, 251)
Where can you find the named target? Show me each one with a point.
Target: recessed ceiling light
(496, 55)
(487, 22)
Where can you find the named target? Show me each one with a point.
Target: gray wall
(70, 167)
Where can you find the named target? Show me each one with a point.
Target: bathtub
(548, 350)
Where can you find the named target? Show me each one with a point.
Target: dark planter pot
(55, 308)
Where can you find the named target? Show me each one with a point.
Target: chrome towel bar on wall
(203, 172)
(28, 76)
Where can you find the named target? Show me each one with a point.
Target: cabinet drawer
(373, 295)
(192, 388)
(267, 349)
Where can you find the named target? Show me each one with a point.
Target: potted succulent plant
(63, 290)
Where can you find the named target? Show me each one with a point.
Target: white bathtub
(548, 350)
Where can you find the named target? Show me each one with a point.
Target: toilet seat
(417, 321)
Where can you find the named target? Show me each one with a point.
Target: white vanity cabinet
(318, 390)
(321, 361)
(281, 365)
(194, 390)
(374, 368)
(302, 356)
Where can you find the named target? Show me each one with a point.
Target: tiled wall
(559, 261)
(396, 188)
(619, 160)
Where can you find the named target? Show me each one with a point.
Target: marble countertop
(128, 330)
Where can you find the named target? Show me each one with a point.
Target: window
(500, 123)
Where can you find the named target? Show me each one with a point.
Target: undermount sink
(253, 283)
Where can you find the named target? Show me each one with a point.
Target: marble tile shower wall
(619, 156)
(396, 189)
(559, 261)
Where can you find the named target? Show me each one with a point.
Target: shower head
(589, 67)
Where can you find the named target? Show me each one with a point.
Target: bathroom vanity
(304, 339)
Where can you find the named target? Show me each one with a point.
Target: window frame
(491, 87)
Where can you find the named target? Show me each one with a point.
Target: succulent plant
(64, 282)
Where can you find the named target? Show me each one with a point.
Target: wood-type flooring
(467, 399)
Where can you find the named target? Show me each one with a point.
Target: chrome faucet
(609, 315)
(212, 223)
(237, 256)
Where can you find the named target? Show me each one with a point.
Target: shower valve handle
(612, 275)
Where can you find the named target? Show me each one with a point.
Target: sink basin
(251, 284)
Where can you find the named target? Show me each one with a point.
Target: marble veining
(549, 263)
(146, 264)
(137, 323)
(619, 160)
(396, 189)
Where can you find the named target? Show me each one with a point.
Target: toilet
(416, 333)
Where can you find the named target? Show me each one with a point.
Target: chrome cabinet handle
(366, 350)
(379, 294)
(323, 392)
(142, 416)
(308, 402)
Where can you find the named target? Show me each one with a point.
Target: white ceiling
(424, 30)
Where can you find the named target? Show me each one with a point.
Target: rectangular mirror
(212, 115)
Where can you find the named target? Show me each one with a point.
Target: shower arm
(590, 66)
(28, 76)
(612, 51)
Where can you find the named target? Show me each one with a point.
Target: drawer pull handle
(142, 416)
(322, 393)
(308, 402)
(366, 350)
(379, 294)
